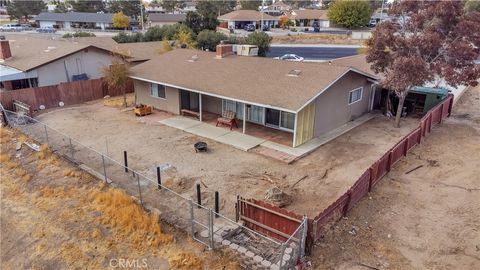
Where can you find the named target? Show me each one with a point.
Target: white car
(290, 57)
(11, 28)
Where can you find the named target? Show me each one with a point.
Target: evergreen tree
(21, 9)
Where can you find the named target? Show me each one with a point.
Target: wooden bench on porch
(228, 118)
(189, 112)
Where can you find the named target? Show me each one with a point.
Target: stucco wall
(89, 61)
(171, 103)
(331, 107)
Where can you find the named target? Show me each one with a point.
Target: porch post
(295, 130)
(244, 116)
(200, 105)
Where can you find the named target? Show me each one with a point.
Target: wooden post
(244, 117)
(125, 160)
(217, 206)
(199, 196)
(159, 179)
(200, 106)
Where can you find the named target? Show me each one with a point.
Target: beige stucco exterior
(171, 103)
(331, 107)
(89, 61)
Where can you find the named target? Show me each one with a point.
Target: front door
(272, 117)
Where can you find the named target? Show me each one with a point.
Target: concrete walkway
(223, 135)
(247, 142)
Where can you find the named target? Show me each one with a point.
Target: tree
(184, 38)
(299, 3)
(60, 7)
(438, 40)
(250, 4)
(116, 75)
(120, 20)
(285, 22)
(224, 6)
(172, 5)
(472, 5)
(87, 6)
(350, 13)
(208, 39)
(130, 8)
(262, 40)
(194, 21)
(20, 9)
(209, 14)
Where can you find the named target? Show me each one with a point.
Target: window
(157, 90)
(287, 120)
(355, 95)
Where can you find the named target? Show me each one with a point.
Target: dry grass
(4, 158)
(117, 102)
(185, 260)
(72, 173)
(128, 218)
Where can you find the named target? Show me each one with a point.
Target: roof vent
(193, 58)
(294, 72)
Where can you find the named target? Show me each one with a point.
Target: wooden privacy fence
(278, 222)
(267, 219)
(378, 169)
(69, 93)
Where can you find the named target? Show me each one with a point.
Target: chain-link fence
(205, 226)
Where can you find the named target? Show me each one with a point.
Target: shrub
(78, 34)
(208, 39)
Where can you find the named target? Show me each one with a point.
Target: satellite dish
(61, 104)
(42, 107)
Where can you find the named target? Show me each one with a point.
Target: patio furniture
(200, 147)
(142, 110)
(228, 118)
(192, 113)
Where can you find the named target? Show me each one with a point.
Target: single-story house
(309, 17)
(27, 61)
(165, 19)
(277, 8)
(303, 99)
(72, 20)
(239, 18)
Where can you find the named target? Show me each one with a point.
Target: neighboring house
(303, 99)
(34, 62)
(309, 17)
(161, 19)
(278, 8)
(239, 18)
(72, 20)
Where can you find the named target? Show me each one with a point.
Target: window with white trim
(355, 95)
(157, 90)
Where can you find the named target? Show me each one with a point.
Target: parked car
(26, 26)
(265, 28)
(46, 29)
(372, 23)
(11, 28)
(290, 57)
(249, 27)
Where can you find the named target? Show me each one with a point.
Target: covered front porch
(267, 124)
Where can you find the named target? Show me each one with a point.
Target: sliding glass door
(272, 117)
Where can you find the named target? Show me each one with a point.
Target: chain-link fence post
(104, 169)
(46, 134)
(282, 252)
(71, 147)
(210, 227)
(303, 237)
(139, 189)
(192, 221)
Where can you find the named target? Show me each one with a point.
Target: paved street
(313, 52)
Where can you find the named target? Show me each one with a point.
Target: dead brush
(44, 152)
(11, 165)
(184, 260)
(72, 173)
(121, 212)
(4, 158)
(51, 160)
(5, 134)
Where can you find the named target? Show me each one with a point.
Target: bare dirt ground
(426, 219)
(54, 216)
(329, 171)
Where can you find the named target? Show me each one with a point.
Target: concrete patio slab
(180, 122)
(313, 144)
(207, 131)
(240, 140)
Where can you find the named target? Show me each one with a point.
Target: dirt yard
(54, 216)
(326, 173)
(425, 219)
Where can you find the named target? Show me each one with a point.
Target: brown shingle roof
(357, 61)
(256, 80)
(29, 53)
(308, 14)
(245, 15)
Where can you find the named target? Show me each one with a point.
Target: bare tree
(427, 40)
(116, 75)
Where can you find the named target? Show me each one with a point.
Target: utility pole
(141, 15)
(261, 11)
